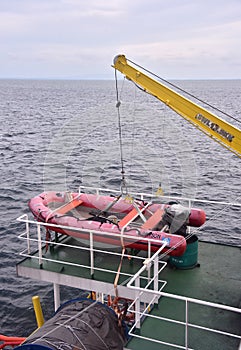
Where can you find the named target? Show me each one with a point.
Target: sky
(78, 39)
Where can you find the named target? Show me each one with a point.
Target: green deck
(216, 280)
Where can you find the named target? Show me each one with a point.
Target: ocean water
(57, 135)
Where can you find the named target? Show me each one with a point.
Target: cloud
(64, 37)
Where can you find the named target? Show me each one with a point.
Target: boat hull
(107, 232)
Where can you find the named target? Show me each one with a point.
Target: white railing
(134, 284)
(153, 284)
(36, 244)
(89, 237)
(144, 195)
(134, 280)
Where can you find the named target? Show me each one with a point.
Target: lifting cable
(184, 91)
(159, 191)
(123, 181)
(118, 103)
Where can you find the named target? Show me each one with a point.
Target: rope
(186, 92)
(133, 132)
(119, 269)
(123, 181)
(118, 103)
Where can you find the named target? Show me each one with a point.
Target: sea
(62, 134)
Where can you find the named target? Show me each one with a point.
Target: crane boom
(221, 131)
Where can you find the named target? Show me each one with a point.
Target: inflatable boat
(116, 220)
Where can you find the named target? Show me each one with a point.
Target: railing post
(137, 304)
(186, 326)
(156, 268)
(91, 255)
(149, 266)
(28, 237)
(39, 245)
(189, 207)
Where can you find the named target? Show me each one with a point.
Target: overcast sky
(78, 39)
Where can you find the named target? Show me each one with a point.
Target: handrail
(26, 236)
(179, 297)
(134, 283)
(101, 233)
(152, 280)
(149, 195)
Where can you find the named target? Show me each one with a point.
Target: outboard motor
(176, 217)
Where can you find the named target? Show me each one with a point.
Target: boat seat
(133, 214)
(154, 220)
(128, 218)
(69, 206)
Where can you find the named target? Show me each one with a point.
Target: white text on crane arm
(215, 127)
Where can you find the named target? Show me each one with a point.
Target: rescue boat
(116, 220)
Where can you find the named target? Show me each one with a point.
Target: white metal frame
(35, 237)
(144, 195)
(134, 281)
(134, 284)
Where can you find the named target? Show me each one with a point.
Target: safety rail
(134, 284)
(26, 235)
(146, 281)
(144, 195)
(35, 238)
(153, 283)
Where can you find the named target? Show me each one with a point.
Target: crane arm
(221, 131)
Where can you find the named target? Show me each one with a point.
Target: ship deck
(215, 280)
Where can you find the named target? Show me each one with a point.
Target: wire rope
(186, 92)
(118, 103)
(133, 133)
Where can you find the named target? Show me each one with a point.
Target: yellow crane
(215, 127)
